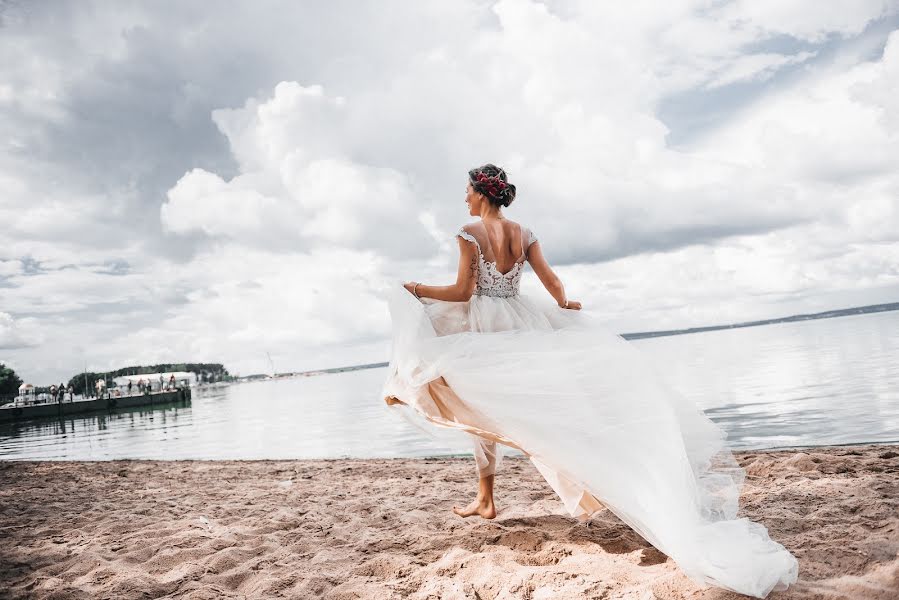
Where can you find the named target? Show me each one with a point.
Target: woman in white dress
(583, 404)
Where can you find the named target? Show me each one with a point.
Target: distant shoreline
(830, 314)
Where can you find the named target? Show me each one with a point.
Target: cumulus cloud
(298, 186)
(807, 19)
(755, 67)
(17, 334)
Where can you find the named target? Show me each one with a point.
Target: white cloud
(806, 19)
(10, 267)
(16, 334)
(755, 67)
(298, 186)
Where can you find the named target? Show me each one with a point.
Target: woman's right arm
(548, 277)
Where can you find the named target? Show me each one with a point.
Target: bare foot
(485, 509)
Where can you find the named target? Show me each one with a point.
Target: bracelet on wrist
(414, 293)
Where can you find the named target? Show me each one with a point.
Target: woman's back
(501, 242)
(502, 250)
(503, 247)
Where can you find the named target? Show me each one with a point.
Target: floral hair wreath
(493, 183)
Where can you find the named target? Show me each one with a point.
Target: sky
(185, 183)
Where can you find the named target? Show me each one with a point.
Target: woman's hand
(573, 305)
(409, 285)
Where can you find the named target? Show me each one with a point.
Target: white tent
(182, 378)
(26, 394)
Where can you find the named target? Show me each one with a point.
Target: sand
(384, 529)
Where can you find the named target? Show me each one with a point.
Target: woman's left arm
(466, 278)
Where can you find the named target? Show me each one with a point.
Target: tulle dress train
(589, 411)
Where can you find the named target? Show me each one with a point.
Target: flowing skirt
(593, 416)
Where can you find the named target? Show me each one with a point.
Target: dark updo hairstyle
(491, 181)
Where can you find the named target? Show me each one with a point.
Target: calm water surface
(828, 381)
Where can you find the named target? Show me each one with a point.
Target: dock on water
(22, 412)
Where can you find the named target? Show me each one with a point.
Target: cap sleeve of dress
(532, 237)
(466, 236)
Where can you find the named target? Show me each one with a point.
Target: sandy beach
(344, 529)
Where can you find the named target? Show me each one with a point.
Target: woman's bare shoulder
(478, 227)
(507, 223)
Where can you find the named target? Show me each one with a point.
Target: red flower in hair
(493, 183)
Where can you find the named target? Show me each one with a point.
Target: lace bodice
(491, 282)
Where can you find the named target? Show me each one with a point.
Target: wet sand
(384, 528)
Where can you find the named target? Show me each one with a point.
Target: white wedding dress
(589, 411)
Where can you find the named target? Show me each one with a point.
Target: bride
(583, 404)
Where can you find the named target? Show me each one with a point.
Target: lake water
(821, 382)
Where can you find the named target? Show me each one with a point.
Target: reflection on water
(829, 381)
(90, 435)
